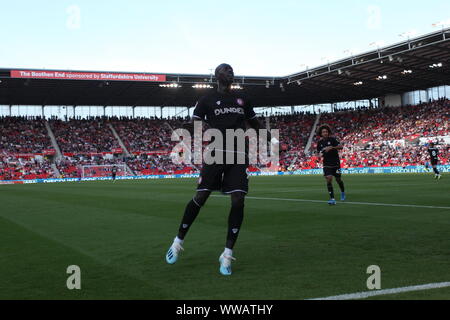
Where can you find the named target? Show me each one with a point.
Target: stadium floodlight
(436, 65)
(202, 86)
(170, 85)
(236, 87)
(407, 72)
(359, 83)
(267, 84)
(380, 78)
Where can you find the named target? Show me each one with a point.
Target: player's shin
(341, 184)
(235, 220)
(190, 214)
(330, 190)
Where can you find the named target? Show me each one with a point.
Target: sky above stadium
(257, 37)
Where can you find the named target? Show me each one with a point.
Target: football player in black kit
(434, 159)
(114, 173)
(329, 148)
(221, 110)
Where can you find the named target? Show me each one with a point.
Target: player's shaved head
(224, 74)
(222, 67)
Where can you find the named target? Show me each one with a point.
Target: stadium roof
(418, 63)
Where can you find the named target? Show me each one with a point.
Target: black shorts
(434, 162)
(227, 178)
(113, 175)
(332, 171)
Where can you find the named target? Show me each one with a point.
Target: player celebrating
(328, 147)
(221, 110)
(434, 159)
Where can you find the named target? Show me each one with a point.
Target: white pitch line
(346, 202)
(368, 294)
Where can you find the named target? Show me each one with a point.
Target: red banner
(50, 152)
(27, 155)
(69, 75)
(158, 152)
(117, 150)
(31, 155)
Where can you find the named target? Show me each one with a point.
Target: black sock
(330, 190)
(436, 171)
(341, 185)
(234, 223)
(190, 214)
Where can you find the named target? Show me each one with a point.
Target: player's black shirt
(224, 111)
(331, 158)
(434, 152)
(114, 170)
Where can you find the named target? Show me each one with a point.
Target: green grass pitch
(119, 233)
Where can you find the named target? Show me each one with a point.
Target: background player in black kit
(221, 110)
(434, 159)
(114, 173)
(329, 148)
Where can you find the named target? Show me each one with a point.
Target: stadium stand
(13, 168)
(23, 135)
(82, 136)
(390, 136)
(373, 137)
(294, 133)
(144, 134)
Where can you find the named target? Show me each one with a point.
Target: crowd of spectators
(387, 136)
(71, 167)
(145, 134)
(92, 135)
(295, 131)
(158, 164)
(376, 126)
(23, 135)
(391, 136)
(12, 168)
